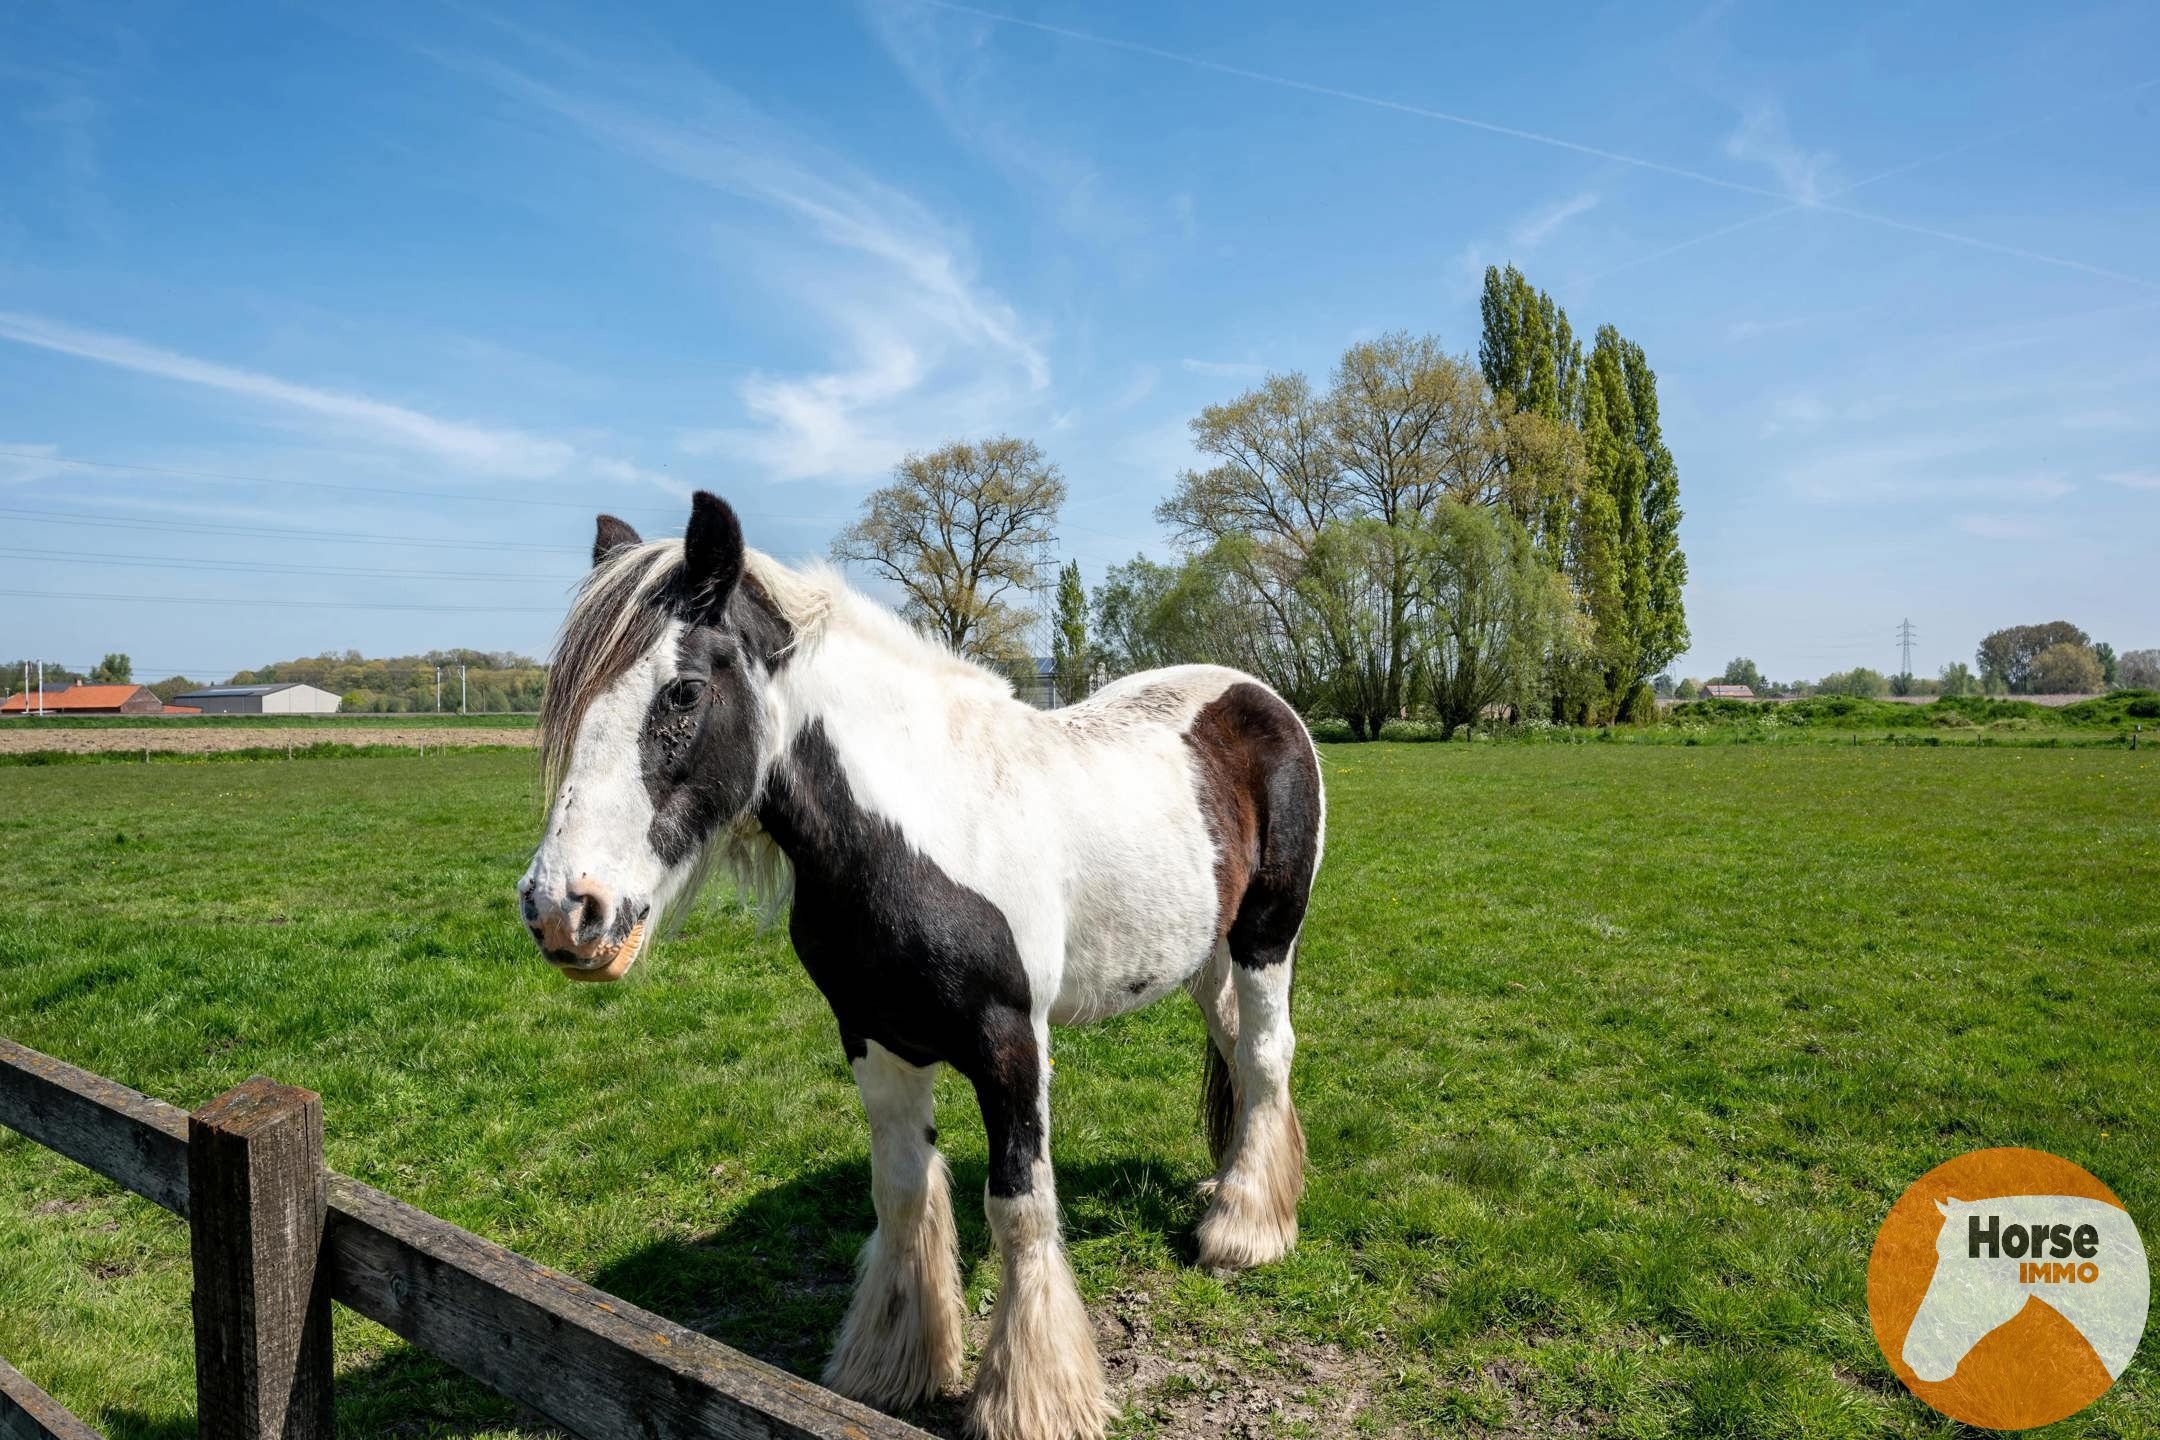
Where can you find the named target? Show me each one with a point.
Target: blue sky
(313, 309)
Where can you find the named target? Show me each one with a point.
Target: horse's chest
(907, 957)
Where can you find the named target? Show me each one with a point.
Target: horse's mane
(624, 605)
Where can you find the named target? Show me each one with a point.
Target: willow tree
(962, 531)
(1255, 515)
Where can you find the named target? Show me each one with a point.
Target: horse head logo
(2079, 1256)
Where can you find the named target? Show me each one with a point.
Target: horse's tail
(1218, 1102)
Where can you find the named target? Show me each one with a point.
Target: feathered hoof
(1244, 1228)
(901, 1343)
(1052, 1395)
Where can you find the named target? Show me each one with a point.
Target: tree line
(496, 681)
(2055, 658)
(1423, 531)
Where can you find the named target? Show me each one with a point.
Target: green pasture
(1611, 1059)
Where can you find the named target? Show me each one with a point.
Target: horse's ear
(1943, 1206)
(612, 534)
(712, 554)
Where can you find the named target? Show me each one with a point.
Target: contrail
(1471, 122)
(1993, 138)
(1468, 122)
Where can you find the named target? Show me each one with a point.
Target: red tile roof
(75, 697)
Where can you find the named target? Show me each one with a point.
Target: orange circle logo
(2008, 1288)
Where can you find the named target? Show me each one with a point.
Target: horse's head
(1966, 1298)
(654, 735)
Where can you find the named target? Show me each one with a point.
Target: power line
(281, 602)
(161, 562)
(333, 537)
(226, 477)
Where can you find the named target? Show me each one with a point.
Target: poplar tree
(1631, 569)
(1069, 649)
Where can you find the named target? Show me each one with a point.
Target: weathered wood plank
(128, 1138)
(262, 1300)
(601, 1366)
(28, 1413)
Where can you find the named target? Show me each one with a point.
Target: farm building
(92, 700)
(290, 698)
(1712, 692)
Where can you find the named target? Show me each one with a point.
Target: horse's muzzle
(587, 931)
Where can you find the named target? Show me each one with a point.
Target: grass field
(1611, 1059)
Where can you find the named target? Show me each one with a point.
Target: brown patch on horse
(1259, 788)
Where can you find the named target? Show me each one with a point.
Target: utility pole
(461, 689)
(438, 689)
(1905, 639)
(41, 687)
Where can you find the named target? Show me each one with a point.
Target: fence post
(262, 1297)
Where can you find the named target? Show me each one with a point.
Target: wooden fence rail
(275, 1236)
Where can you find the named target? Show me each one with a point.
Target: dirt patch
(1181, 1388)
(169, 740)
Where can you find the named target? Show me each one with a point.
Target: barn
(290, 698)
(91, 700)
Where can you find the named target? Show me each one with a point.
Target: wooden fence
(275, 1236)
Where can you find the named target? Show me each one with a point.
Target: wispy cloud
(500, 452)
(2134, 479)
(22, 464)
(1805, 176)
(946, 59)
(922, 347)
(1740, 330)
(1998, 526)
(1225, 369)
(1535, 229)
(508, 453)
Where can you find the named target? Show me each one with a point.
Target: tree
(1069, 649)
(1311, 504)
(1957, 679)
(114, 669)
(960, 530)
(1742, 671)
(2139, 669)
(1527, 349)
(2007, 655)
(1687, 689)
(1860, 681)
(2064, 669)
(1661, 685)
(1489, 612)
(176, 685)
(1149, 615)
(1627, 556)
(2109, 669)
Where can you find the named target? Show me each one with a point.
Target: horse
(960, 872)
(2101, 1287)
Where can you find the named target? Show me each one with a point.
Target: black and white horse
(962, 872)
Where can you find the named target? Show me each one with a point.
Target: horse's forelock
(620, 612)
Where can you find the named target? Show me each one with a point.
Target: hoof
(1243, 1228)
(901, 1343)
(1060, 1398)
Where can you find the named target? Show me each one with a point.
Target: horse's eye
(685, 694)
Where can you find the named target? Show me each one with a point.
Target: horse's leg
(901, 1341)
(1216, 994)
(1253, 1216)
(1040, 1378)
